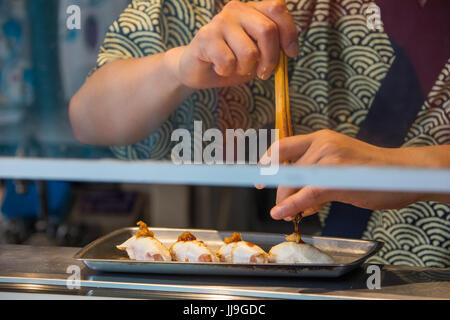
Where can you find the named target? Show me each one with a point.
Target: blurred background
(42, 64)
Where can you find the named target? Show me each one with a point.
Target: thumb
(307, 200)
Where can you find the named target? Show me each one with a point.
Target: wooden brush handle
(282, 110)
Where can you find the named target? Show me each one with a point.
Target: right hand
(241, 42)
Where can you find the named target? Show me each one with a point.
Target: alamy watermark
(237, 147)
(373, 21)
(374, 280)
(73, 21)
(373, 13)
(74, 280)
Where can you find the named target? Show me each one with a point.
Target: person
(356, 98)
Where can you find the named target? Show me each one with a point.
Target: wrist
(390, 157)
(415, 157)
(426, 157)
(402, 157)
(434, 197)
(171, 62)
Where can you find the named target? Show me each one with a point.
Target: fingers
(262, 30)
(307, 200)
(266, 26)
(215, 50)
(277, 11)
(288, 149)
(244, 48)
(285, 192)
(242, 41)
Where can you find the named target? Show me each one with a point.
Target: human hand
(241, 42)
(327, 147)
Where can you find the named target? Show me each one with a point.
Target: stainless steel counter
(41, 272)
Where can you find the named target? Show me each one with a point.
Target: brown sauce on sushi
(235, 237)
(295, 237)
(143, 230)
(187, 236)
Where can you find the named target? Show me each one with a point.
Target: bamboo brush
(282, 109)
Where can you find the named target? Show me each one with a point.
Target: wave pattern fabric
(333, 80)
(419, 234)
(333, 83)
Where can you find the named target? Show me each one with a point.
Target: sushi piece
(237, 251)
(144, 246)
(294, 251)
(189, 249)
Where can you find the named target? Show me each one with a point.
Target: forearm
(437, 157)
(330, 148)
(428, 157)
(126, 100)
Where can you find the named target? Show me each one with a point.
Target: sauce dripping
(297, 221)
(296, 237)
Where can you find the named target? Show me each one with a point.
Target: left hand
(327, 147)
